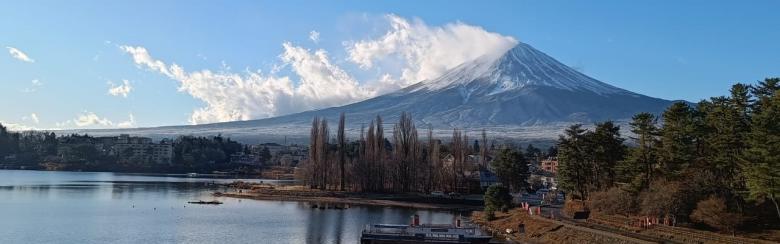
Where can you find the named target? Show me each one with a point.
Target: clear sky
(108, 64)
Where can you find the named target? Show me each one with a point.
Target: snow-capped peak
(519, 67)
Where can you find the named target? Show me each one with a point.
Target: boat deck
(386, 233)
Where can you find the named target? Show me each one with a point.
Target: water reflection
(80, 207)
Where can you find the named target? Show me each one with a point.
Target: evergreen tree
(606, 148)
(532, 153)
(573, 166)
(642, 160)
(762, 169)
(552, 151)
(725, 132)
(497, 197)
(678, 139)
(511, 169)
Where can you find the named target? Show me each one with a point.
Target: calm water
(76, 207)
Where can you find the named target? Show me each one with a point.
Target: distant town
(207, 155)
(126, 153)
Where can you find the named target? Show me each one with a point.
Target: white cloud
(34, 85)
(120, 90)
(314, 36)
(93, 120)
(18, 54)
(252, 95)
(322, 83)
(426, 52)
(16, 127)
(130, 123)
(32, 117)
(90, 118)
(420, 52)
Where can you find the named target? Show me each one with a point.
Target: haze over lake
(86, 207)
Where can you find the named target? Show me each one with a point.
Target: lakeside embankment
(301, 193)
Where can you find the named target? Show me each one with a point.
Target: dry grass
(540, 231)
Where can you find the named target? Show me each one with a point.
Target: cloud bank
(250, 95)
(92, 120)
(425, 52)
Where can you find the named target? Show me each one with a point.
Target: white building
(142, 150)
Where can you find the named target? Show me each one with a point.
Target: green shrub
(497, 197)
(490, 214)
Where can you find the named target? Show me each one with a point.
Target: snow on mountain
(523, 93)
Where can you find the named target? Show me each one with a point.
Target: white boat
(425, 233)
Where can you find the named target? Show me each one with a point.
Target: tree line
(84, 152)
(716, 162)
(403, 162)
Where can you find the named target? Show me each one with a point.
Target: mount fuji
(523, 94)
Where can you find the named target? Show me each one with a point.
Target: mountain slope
(523, 90)
(524, 87)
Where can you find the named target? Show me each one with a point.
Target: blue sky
(236, 58)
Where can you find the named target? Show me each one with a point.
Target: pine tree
(642, 160)
(532, 153)
(606, 149)
(762, 168)
(573, 168)
(511, 169)
(678, 139)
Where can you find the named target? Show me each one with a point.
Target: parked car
(454, 195)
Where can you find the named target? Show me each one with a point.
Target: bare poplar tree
(406, 152)
(380, 153)
(312, 168)
(342, 147)
(322, 153)
(457, 157)
(483, 150)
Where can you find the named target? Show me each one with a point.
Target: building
(550, 165)
(142, 150)
(243, 158)
(487, 178)
(282, 155)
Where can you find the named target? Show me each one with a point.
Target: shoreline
(347, 198)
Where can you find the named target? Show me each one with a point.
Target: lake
(92, 207)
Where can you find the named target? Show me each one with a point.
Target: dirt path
(541, 230)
